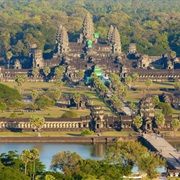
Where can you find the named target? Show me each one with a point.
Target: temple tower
(132, 48)
(88, 29)
(62, 40)
(109, 34)
(116, 43)
(37, 56)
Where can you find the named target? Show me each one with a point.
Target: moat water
(47, 150)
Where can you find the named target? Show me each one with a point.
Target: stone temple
(90, 53)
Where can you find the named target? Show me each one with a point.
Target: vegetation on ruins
(37, 123)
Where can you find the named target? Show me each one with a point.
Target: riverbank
(67, 139)
(73, 137)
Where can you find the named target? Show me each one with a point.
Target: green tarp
(89, 43)
(98, 71)
(96, 35)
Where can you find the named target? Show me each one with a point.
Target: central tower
(87, 30)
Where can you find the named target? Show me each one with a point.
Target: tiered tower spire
(116, 43)
(62, 40)
(109, 34)
(88, 28)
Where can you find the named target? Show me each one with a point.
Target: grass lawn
(53, 112)
(156, 85)
(44, 134)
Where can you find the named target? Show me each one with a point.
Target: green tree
(44, 101)
(9, 55)
(59, 83)
(149, 162)
(76, 97)
(175, 124)
(135, 78)
(148, 83)
(37, 123)
(46, 70)
(160, 120)
(34, 156)
(59, 72)
(132, 106)
(124, 93)
(156, 100)
(166, 108)
(69, 114)
(125, 153)
(21, 79)
(34, 94)
(66, 161)
(25, 157)
(115, 80)
(177, 86)
(80, 75)
(35, 72)
(137, 121)
(9, 95)
(3, 106)
(128, 81)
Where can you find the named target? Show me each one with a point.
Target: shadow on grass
(72, 134)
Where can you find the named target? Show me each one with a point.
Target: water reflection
(47, 150)
(99, 150)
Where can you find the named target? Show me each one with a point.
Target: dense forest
(153, 24)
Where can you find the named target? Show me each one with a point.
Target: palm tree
(34, 157)
(175, 125)
(80, 75)
(34, 94)
(59, 72)
(46, 70)
(25, 157)
(148, 83)
(37, 123)
(159, 120)
(135, 78)
(76, 97)
(35, 72)
(128, 81)
(137, 121)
